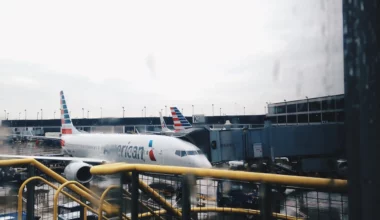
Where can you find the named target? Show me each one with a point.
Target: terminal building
(328, 109)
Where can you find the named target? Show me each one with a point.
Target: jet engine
(78, 171)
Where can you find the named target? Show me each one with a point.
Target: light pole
(308, 117)
(142, 112)
(8, 116)
(54, 114)
(41, 113)
(145, 110)
(38, 114)
(212, 109)
(123, 111)
(5, 114)
(193, 109)
(182, 111)
(83, 112)
(88, 113)
(25, 114)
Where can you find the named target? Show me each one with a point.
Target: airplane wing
(67, 159)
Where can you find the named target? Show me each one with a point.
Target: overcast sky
(109, 54)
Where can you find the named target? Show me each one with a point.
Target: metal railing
(38, 197)
(277, 196)
(165, 192)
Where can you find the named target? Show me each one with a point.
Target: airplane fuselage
(143, 149)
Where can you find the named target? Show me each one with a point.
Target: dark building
(328, 109)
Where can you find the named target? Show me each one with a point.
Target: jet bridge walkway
(200, 194)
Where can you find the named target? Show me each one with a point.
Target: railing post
(265, 201)
(30, 194)
(121, 195)
(81, 214)
(186, 205)
(135, 195)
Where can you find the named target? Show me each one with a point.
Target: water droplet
(366, 86)
(362, 6)
(351, 71)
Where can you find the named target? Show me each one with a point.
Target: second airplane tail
(163, 124)
(67, 126)
(180, 122)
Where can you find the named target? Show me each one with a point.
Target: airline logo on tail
(180, 122)
(67, 125)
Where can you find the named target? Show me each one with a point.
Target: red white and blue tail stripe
(180, 122)
(67, 126)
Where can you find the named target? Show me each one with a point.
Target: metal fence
(193, 193)
(164, 192)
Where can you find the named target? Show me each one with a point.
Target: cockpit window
(192, 152)
(178, 153)
(199, 152)
(183, 153)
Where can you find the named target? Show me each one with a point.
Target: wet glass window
(302, 107)
(315, 106)
(291, 108)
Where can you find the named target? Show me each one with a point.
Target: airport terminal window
(271, 110)
(315, 117)
(280, 109)
(340, 103)
(302, 107)
(291, 108)
(328, 117)
(292, 119)
(281, 119)
(328, 104)
(315, 106)
(302, 118)
(340, 116)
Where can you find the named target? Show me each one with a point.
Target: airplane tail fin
(180, 122)
(163, 124)
(67, 126)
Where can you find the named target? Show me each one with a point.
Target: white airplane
(85, 149)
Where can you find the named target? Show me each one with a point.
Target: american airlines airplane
(83, 150)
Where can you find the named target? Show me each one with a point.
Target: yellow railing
(286, 180)
(224, 210)
(14, 162)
